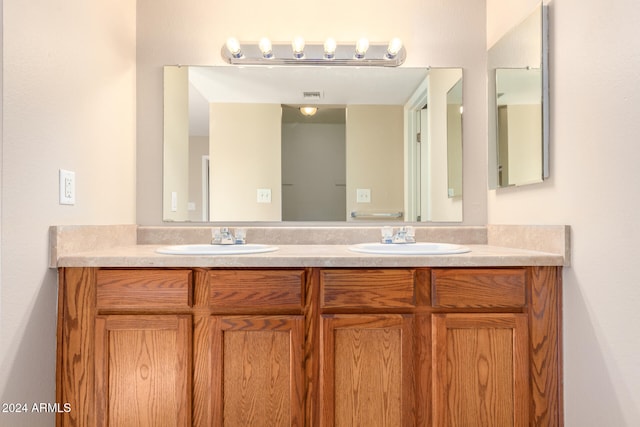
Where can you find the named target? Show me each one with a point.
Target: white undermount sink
(205, 249)
(419, 248)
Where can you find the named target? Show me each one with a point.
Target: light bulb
(329, 48)
(265, 48)
(233, 45)
(308, 111)
(298, 47)
(394, 47)
(361, 48)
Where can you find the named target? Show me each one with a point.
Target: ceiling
(330, 86)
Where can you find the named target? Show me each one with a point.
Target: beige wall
(594, 182)
(375, 146)
(439, 206)
(176, 143)
(198, 147)
(244, 156)
(68, 102)
(525, 147)
(435, 33)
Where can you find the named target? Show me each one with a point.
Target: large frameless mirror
(239, 147)
(519, 104)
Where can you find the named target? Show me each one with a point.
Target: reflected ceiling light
(330, 48)
(233, 45)
(308, 111)
(298, 47)
(265, 48)
(361, 48)
(297, 52)
(394, 47)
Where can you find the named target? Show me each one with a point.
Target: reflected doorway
(314, 164)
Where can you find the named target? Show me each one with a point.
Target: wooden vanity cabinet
(367, 347)
(249, 348)
(310, 347)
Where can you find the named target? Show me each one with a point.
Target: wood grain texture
(258, 371)
(140, 289)
(480, 368)
(143, 370)
(381, 289)
(545, 346)
(312, 347)
(478, 287)
(367, 370)
(202, 352)
(241, 290)
(423, 287)
(75, 379)
(423, 382)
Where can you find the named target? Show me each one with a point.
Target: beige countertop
(308, 256)
(131, 245)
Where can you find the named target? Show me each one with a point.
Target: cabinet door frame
(293, 324)
(106, 324)
(330, 324)
(517, 322)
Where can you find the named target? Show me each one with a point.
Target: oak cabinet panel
(143, 289)
(366, 370)
(480, 370)
(479, 287)
(369, 289)
(143, 371)
(256, 290)
(257, 371)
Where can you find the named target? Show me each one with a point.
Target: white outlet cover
(363, 195)
(264, 195)
(67, 187)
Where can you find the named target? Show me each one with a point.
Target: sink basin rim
(208, 249)
(419, 248)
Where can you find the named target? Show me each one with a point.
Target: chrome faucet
(403, 235)
(224, 236)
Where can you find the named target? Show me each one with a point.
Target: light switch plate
(67, 188)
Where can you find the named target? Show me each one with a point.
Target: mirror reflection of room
(239, 148)
(518, 104)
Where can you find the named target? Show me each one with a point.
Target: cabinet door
(257, 371)
(143, 370)
(366, 370)
(480, 370)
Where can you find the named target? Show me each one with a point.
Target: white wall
(68, 102)
(595, 188)
(435, 33)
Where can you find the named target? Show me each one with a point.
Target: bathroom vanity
(310, 335)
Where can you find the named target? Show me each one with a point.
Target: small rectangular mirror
(519, 104)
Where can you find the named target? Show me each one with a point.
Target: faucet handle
(216, 236)
(387, 234)
(241, 236)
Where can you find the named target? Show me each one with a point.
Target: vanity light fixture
(308, 111)
(297, 52)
